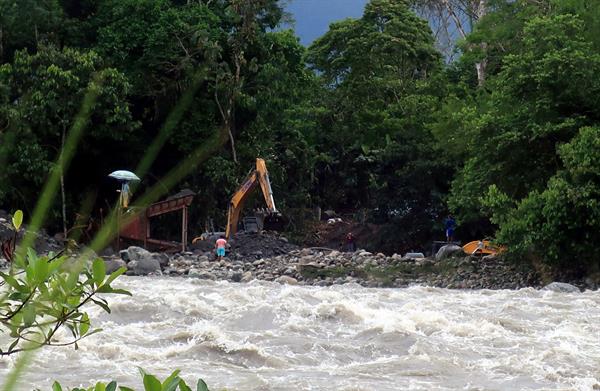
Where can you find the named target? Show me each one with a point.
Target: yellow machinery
(484, 247)
(258, 176)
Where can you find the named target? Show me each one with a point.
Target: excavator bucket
(273, 222)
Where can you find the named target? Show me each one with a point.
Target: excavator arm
(259, 176)
(265, 185)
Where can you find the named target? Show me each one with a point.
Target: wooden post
(147, 224)
(184, 228)
(118, 233)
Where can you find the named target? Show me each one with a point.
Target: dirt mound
(252, 246)
(260, 245)
(333, 235)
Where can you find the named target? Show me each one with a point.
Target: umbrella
(123, 175)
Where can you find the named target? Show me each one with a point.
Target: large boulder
(201, 274)
(140, 261)
(448, 251)
(287, 280)
(561, 287)
(247, 277)
(144, 267)
(134, 253)
(162, 258)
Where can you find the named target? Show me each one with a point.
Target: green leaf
(101, 304)
(84, 324)
(100, 387)
(71, 281)
(41, 270)
(98, 271)
(14, 283)
(117, 291)
(56, 265)
(56, 386)
(31, 255)
(170, 383)
(17, 219)
(112, 386)
(142, 371)
(201, 386)
(29, 315)
(183, 386)
(151, 383)
(30, 275)
(115, 274)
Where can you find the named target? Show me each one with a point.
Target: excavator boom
(265, 184)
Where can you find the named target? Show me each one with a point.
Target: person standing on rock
(350, 242)
(450, 224)
(220, 245)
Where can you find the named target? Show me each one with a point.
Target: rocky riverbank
(273, 258)
(324, 267)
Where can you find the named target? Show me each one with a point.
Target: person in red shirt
(220, 245)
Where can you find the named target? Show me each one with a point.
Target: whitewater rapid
(266, 336)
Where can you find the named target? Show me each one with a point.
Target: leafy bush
(151, 383)
(561, 224)
(41, 294)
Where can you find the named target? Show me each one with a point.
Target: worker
(220, 245)
(125, 195)
(350, 242)
(450, 224)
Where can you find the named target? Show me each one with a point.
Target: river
(266, 336)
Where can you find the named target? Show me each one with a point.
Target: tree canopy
(372, 117)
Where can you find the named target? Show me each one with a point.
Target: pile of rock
(249, 246)
(325, 267)
(487, 272)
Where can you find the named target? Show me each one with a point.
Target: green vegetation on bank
(369, 117)
(151, 383)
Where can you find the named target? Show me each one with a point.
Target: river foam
(266, 336)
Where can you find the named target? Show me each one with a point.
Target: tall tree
(26, 24)
(454, 20)
(376, 74)
(46, 90)
(534, 106)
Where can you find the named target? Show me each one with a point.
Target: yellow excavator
(258, 176)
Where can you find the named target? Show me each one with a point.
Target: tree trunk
(62, 184)
(1, 45)
(231, 140)
(481, 66)
(227, 117)
(232, 100)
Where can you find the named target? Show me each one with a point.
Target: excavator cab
(250, 224)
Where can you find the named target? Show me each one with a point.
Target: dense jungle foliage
(371, 117)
